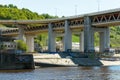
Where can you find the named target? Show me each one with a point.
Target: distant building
(7, 43)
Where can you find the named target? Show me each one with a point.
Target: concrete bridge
(84, 25)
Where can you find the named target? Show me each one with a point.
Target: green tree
(11, 6)
(21, 45)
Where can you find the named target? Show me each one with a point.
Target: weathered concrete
(82, 41)
(88, 35)
(102, 41)
(30, 43)
(67, 37)
(21, 35)
(104, 34)
(107, 37)
(16, 61)
(51, 39)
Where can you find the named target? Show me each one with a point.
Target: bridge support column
(104, 40)
(107, 37)
(67, 37)
(30, 43)
(62, 43)
(88, 35)
(51, 39)
(21, 35)
(82, 41)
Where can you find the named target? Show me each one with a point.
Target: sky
(64, 7)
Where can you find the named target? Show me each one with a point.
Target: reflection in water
(63, 73)
(16, 71)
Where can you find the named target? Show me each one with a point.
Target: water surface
(63, 73)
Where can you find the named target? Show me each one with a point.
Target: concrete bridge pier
(82, 41)
(107, 37)
(104, 40)
(28, 39)
(30, 43)
(21, 35)
(88, 35)
(67, 36)
(63, 43)
(51, 39)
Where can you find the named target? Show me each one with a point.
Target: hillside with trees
(8, 12)
(11, 12)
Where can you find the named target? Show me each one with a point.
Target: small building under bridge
(7, 43)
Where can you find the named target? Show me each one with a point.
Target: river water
(63, 73)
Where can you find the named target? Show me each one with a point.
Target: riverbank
(55, 59)
(111, 61)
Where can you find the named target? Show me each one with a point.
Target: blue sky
(64, 7)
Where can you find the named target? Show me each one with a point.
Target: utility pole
(55, 11)
(98, 4)
(75, 9)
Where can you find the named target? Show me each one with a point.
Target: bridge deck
(98, 19)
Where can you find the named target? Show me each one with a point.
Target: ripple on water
(63, 73)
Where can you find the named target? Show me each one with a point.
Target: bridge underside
(85, 25)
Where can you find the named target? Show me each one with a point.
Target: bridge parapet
(76, 22)
(32, 28)
(58, 25)
(10, 31)
(109, 19)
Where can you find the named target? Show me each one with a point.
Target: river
(63, 73)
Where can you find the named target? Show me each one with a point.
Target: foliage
(21, 45)
(46, 16)
(115, 36)
(10, 11)
(41, 39)
(75, 38)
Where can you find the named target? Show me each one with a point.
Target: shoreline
(56, 60)
(110, 63)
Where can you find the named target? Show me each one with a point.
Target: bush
(21, 45)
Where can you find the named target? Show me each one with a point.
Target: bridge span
(85, 25)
